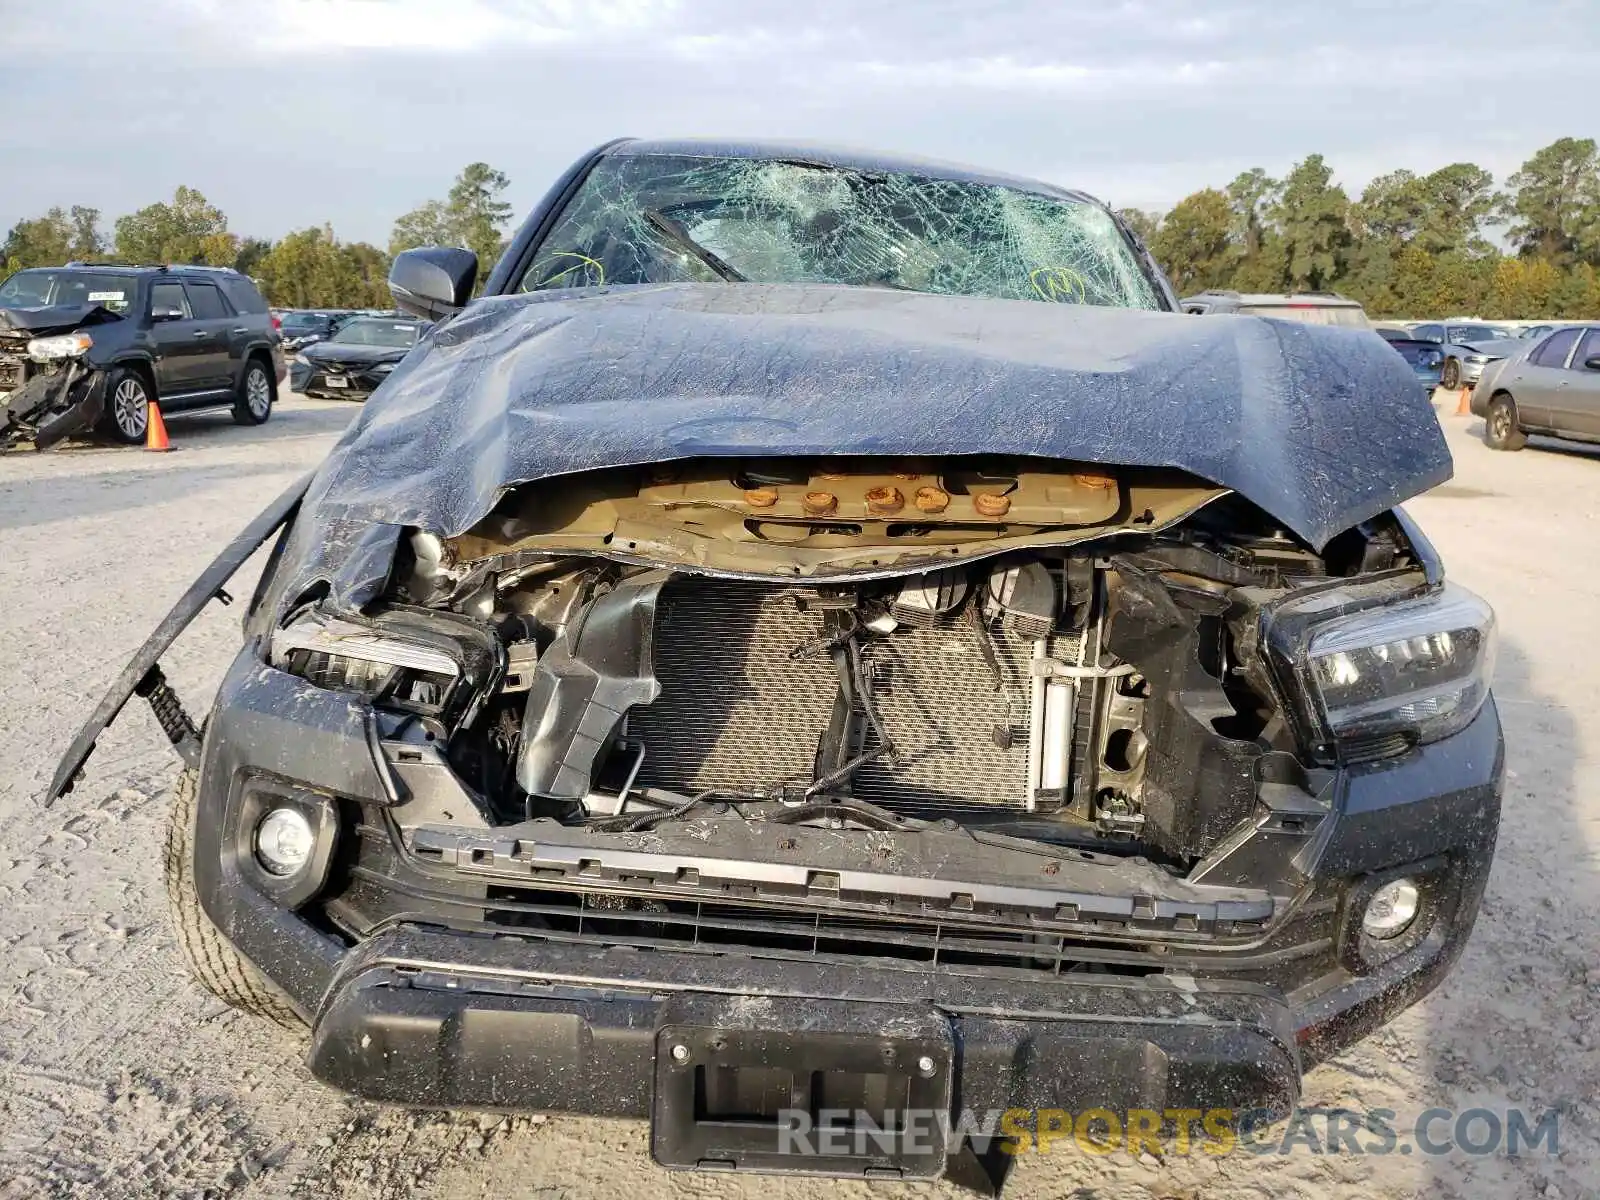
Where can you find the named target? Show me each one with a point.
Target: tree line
(1409, 245)
(309, 268)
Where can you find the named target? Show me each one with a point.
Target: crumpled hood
(59, 318)
(1321, 427)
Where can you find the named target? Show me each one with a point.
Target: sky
(289, 113)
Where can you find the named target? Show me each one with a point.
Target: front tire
(1450, 376)
(1501, 429)
(210, 957)
(127, 415)
(253, 404)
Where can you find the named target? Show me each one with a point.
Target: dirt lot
(120, 1077)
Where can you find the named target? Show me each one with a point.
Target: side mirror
(433, 281)
(1592, 363)
(166, 314)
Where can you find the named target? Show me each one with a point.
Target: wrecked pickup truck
(823, 640)
(87, 348)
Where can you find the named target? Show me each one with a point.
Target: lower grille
(737, 712)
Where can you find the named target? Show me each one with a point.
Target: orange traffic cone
(155, 430)
(1464, 403)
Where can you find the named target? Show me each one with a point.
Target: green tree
(1457, 200)
(188, 230)
(428, 225)
(60, 236)
(1312, 218)
(311, 268)
(478, 212)
(1250, 196)
(251, 252)
(472, 215)
(1554, 200)
(1141, 222)
(1192, 243)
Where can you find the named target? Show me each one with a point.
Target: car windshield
(296, 322)
(370, 332)
(43, 288)
(681, 218)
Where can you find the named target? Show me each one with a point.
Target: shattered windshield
(44, 288)
(692, 219)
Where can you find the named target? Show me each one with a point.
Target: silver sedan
(1554, 389)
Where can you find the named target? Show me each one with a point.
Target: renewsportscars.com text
(1312, 1130)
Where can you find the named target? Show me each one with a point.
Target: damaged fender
(143, 677)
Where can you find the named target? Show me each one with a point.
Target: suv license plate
(336, 381)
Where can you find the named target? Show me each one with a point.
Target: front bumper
(52, 405)
(507, 1019)
(440, 1020)
(313, 381)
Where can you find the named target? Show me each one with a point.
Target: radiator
(735, 711)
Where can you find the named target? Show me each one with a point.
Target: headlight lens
(66, 345)
(1417, 667)
(1477, 359)
(345, 657)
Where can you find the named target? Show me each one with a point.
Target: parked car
(89, 347)
(1553, 388)
(1314, 308)
(358, 357)
(304, 326)
(1467, 348)
(1534, 332)
(784, 643)
(1425, 359)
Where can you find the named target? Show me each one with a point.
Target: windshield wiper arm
(674, 233)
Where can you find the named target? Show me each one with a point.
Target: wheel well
(1502, 394)
(142, 369)
(261, 356)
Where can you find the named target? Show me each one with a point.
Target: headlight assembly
(1417, 668)
(66, 345)
(342, 656)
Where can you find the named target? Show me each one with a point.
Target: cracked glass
(694, 219)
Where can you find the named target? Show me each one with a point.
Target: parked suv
(88, 347)
(1313, 308)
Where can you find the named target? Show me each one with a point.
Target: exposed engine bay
(1102, 691)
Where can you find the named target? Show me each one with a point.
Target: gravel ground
(118, 1076)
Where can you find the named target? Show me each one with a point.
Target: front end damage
(48, 391)
(711, 735)
(1039, 764)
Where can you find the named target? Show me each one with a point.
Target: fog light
(1392, 909)
(284, 841)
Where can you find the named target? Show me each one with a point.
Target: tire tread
(218, 967)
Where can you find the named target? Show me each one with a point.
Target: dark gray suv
(88, 347)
